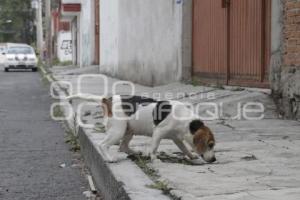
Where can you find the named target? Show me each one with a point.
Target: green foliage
(160, 185)
(57, 112)
(56, 62)
(16, 21)
(143, 163)
(72, 140)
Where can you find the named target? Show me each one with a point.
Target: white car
(2, 53)
(19, 56)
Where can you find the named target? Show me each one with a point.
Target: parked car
(2, 53)
(19, 56)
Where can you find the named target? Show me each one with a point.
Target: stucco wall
(141, 40)
(86, 34)
(276, 45)
(64, 46)
(109, 41)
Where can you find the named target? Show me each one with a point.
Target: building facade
(253, 43)
(157, 42)
(141, 40)
(62, 38)
(80, 15)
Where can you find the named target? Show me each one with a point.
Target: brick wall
(291, 21)
(285, 68)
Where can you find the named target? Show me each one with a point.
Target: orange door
(231, 41)
(246, 46)
(209, 39)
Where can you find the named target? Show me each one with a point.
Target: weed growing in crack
(174, 159)
(142, 162)
(161, 185)
(72, 135)
(57, 112)
(75, 124)
(72, 140)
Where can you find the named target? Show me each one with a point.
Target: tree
(16, 21)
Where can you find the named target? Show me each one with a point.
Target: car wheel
(6, 69)
(34, 69)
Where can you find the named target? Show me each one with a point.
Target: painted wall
(276, 43)
(141, 40)
(75, 42)
(64, 46)
(109, 40)
(86, 34)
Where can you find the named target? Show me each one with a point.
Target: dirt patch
(249, 158)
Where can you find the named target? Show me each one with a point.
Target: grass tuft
(57, 112)
(72, 140)
(161, 185)
(142, 162)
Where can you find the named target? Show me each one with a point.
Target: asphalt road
(32, 146)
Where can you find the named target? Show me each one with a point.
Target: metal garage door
(230, 43)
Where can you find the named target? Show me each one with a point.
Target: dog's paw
(148, 153)
(153, 157)
(112, 160)
(197, 162)
(193, 156)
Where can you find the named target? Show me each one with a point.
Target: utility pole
(48, 33)
(39, 28)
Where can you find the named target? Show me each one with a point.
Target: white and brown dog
(134, 115)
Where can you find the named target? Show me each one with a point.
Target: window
(20, 50)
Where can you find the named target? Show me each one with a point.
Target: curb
(103, 177)
(46, 74)
(114, 181)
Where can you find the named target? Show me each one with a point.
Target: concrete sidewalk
(256, 159)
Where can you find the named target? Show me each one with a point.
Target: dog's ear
(195, 125)
(105, 100)
(107, 107)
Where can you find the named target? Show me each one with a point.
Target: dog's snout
(213, 160)
(209, 160)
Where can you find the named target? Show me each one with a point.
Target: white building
(141, 40)
(80, 14)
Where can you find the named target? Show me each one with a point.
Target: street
(32, 147)
(164, 100)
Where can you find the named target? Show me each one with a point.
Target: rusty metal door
(230, 41)
(210, 39)
(97, 31)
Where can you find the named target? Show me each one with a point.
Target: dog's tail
(87, 97)
(106, 103)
